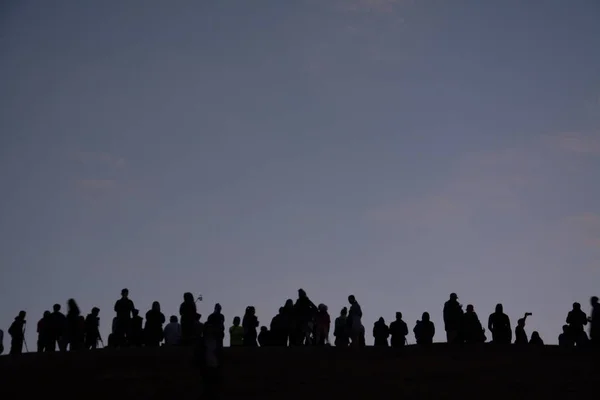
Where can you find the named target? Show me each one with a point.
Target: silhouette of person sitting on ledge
(381, 332)
(499, 326)
(424, 330)
(236, 333)
(564, 339)
(172, 332)
(536, 340)
(264, 337)
(520, 334)
(472, 331)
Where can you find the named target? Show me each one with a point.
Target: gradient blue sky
(396, 150)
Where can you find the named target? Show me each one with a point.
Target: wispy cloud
(371, 5)
(587, 228)
(576, 142)
(99, 158)
(489, 181)
(96, 185)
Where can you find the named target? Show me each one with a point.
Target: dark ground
(307, 373)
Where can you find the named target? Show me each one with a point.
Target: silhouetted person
(187, 312)
(264, 337)
(279, 329)
(250, 323)
(1, 341)
(424, 330)
(520, 334)
(92, 329)
(172, 332)
(564, 339)
(398, 331)
(44, 331)
(322, 325)
(153, 330)
(304, 313)
(355, 322)
(136, 331)
(209, 358)
(236, 333)
(453, 314)
(112, 338)
(536, 340)
(341, 329)
(595, 322)
(576, 319)
(472, 330)
(59, 329)
(289, 319)
(381, 332)
(198, 327)
(17, 333)
(217, 321)
(499, 326)
(74, 328)
(123, 307)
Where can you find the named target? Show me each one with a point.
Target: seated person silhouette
(424, 330)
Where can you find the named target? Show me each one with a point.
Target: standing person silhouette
(123, 307)
(187, 313)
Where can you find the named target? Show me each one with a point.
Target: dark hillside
(306, 373)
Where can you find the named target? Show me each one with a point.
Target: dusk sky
(397, 150)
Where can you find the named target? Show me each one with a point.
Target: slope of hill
(306, 373)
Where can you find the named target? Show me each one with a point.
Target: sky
(397, 150)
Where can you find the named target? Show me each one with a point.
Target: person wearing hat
(453, 315)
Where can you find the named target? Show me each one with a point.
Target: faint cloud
(424, 212)
(576, 142)
(480, 183)
(99, 158)
(587, 228)
(384, 6)
(96, 185)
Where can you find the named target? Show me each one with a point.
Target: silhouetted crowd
(298, 323)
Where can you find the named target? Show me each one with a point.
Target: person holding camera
(520, 334)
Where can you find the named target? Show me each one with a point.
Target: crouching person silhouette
(209, 357)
